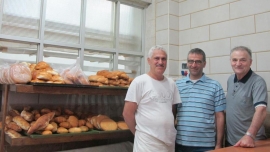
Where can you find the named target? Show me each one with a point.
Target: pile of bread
(110, 78)
(42, 72)
(56, 121)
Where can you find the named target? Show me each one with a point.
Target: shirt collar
(245, 78)
(203, 78)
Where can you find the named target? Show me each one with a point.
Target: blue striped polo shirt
(196, 115)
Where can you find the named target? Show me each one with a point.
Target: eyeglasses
(196, 61)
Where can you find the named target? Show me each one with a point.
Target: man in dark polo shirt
(246, 101)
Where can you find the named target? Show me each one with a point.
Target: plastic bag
(75, 75)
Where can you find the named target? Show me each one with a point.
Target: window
(103, 34)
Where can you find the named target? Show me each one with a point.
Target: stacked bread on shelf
(42, 72)
(110, 78)
(56, 121)
(15, 73)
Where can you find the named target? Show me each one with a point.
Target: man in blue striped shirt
(200, 118)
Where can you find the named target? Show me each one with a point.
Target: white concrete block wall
(216, 26)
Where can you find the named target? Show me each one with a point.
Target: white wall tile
(195, 35)
(206, 69)
(174, 8)
(150, 12)
(173, 22)
(262, 22)
(213, 3)
(173, 52)
(173, 37)
(173, 68)
(254, 62)
(162, 22)
(184, 22)
(221, 78)
(209, 16)
(261, 61)
(162, 8)
(162, 37)
(248, 7)
(266, 77)
(256, 42)
(183, 52)
(220, 65)
(214, 48)
(232, 28)
(191, 6)
(150, 30)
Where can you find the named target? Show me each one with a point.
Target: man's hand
(245, 141)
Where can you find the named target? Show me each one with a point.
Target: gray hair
(242, 48)
(198, 51)
(156, 47)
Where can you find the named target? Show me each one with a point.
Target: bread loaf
(84, 128)
(13, 133)
(74, 130)
(42, 65)
(122, 125)
(28, 116)
(14, 126)
(21, 122)
(41, 122)
(74, 122)
(46, 132)
(108, 125)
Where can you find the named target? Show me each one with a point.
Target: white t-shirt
(154, 99)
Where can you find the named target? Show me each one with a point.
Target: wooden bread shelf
(25, 140)
(59, 89)
(67, 89)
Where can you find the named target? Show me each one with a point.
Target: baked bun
(41, 122)
(98, 78)
(108, 125)
(122, 125)
(62, 130)
(13, 134)
(21, 122)
(42, 65)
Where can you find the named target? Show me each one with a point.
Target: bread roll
(65, 125)
(55, 126)
(42, 65)
(89, 125)
(68, 112)
(14, 126)
(28, 116)
(74, 130)
(84, 128)
(122, 125)
(8, 119)
(108, 125)
(44, 76)
(44, 111)
(49, 127)
(60, 119)
(62, 130)
(21, 122)
(98, 78)
(41, 122)
(81, 122)
(13, 133)
(74, 122)
(46, 132)
(99, 118)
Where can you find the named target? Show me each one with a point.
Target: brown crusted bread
(21, 122)
(42, 65)
(122, 125)
(107, 74)
(74, 122)
(89, 125)
(28, 116)
(13, 133)
(44, 76)
(62, 130)
(98, 78)
(75, 130)
(13, 113)
(65, 124)
(41, 122)
(84, 128)
(95, 83)
(8, 119)
(60, 119)
(46, 132)
(82, 122)
(108, 124)
(14, 126)
(99, 118)
(55, 126)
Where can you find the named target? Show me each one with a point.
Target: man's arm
(257, 121)
(129, 115)
(220, 124)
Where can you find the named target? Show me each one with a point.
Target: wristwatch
(250, 135)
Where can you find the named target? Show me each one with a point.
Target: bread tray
(62, 135)
(72, 134)
(62, 85)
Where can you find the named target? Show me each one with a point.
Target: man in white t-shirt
(150, 106)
